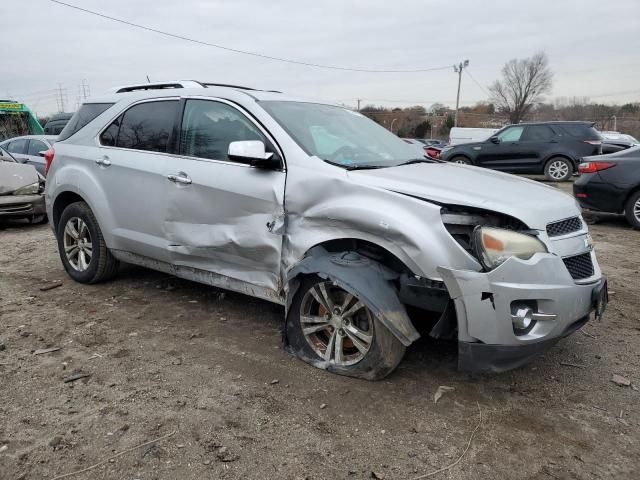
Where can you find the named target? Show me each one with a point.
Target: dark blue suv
(552, 148)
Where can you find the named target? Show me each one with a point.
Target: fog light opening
(523, 317)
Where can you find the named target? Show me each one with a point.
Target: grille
(579, 266)
(15, 208)
(563, 227)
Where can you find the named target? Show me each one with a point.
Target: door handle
(104, 161)
(180, 177)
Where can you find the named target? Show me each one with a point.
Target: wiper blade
(356, 166)
(416, 160)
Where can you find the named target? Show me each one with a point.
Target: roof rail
(178, 84)
(157, 86)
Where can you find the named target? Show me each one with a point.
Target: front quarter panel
(323, 203)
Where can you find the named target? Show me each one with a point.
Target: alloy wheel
(636, 209)
(78, 248)
(558, 170)
(336, 324)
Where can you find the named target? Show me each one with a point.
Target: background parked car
(21, 190)
(615, 141)
(459, 135)
(56, 123)
(611, 183)
(27, 149)
(433, 141)
(420, 147)
(552, 148)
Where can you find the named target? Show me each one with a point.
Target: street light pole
(391, 127)
(458, 69)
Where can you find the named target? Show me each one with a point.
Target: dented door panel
(225, 220)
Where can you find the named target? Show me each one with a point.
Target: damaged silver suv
(319, 209)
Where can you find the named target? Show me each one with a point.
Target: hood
(16, 175)
(529, 201)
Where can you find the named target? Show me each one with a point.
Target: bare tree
(524, 83)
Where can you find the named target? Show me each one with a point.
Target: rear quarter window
(583, 132)
(85, 114)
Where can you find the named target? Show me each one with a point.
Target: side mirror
(495, 139)
(254, 153)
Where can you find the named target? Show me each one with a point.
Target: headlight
(31, 189)
(495, 245)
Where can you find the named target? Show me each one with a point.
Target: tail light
(593, 167)
(48, 158)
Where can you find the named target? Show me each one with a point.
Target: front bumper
(485, 302)
(21, 206)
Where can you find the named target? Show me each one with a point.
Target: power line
(477, 83)
(244, 52)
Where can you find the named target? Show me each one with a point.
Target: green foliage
(422, 129)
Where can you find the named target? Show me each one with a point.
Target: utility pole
(458, 69)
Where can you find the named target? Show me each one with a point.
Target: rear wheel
(333, 329)
(558, 169)
(461, 160)
(82, 248)
(632, 210)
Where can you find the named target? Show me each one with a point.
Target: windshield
(340, 136)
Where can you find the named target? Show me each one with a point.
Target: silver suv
(315, 207)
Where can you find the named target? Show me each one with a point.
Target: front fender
(363, 278)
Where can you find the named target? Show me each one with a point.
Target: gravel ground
(166, 356)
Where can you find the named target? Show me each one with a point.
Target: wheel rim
(636, 210)
(336, 324)
(77, 244)
(558, 170)
(461, 161)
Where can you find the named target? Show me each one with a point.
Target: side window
(35, 147)
(538, 133)
(511, 134)
(208, 127)
(17, 146)
(110, 135)
(147, 126)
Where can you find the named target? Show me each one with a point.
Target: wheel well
(569, 159)
(463, 155)
(631, 193)
(367, 249)
(61, 202)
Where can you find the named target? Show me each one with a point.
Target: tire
(632, 210)
(78, 226)
(461, 160)
(558, 169)
(382, 353)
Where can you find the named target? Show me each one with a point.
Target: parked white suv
(319, 209)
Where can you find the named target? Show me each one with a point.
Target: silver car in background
(315, 207)
(30, 149)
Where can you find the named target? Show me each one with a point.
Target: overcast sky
(593, 46)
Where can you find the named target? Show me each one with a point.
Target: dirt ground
(165, 355)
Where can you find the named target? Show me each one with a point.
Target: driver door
(223, 216)
(506, 154)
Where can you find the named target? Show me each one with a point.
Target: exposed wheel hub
(336, 324)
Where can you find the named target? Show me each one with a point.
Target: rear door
(130, 168)
(224, 216)
(33, 154)
(536, 143)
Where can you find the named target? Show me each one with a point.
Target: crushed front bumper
(21, 206)
(486, 301)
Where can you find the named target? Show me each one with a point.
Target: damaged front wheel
(334, 329)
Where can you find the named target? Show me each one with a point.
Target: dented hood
(16, 175)
(533, 203)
